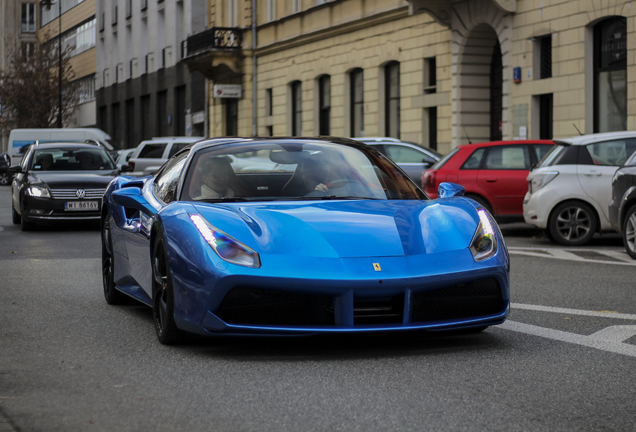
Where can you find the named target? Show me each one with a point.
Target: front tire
(572, 223)
(163, 296)
(111, 294)
(629, 232)
(26, 225)
(4, 178)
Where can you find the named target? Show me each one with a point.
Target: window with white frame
(49, 13)
(28, 17)
(81, 38)
(271, 10)
(86, 89)
(231, 10)
(295, 6)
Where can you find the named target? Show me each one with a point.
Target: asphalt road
(565, 360)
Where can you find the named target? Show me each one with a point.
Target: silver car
(150, 155)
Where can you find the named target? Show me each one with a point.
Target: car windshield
(71, 159)
(294, 170)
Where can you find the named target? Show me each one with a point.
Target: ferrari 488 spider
(287, 236)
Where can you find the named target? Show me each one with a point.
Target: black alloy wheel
(629, 232)
(111, 294)
(4, 178)
(163, 296)
(572, 223)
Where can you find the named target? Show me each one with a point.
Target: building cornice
(441, 10)
(322, 34)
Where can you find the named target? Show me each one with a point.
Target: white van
(20, 139)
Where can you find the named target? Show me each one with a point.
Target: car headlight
(38, 191)
(484, 242)
(227, 248)
(542, 179)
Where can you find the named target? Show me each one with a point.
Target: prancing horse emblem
(80, 193)
(376, 267)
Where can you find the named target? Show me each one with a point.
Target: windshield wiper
(225, 199)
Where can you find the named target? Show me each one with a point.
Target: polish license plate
(81, 205)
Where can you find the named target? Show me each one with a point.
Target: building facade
(143, 88)
(18, 30)
(440, 73)
(78, 29)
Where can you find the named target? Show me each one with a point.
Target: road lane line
(615, 333)
(587, 341)
(619, 255)
(562, 254)
(573, 311)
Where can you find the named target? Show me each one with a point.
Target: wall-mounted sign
(228, 90)
(516, 74)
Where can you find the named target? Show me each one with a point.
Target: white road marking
(615, 333)
(588, 341)
(574, 311)
(568, 255)
(608, 339)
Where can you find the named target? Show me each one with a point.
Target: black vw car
(5, 162)
(60, 182)
(622, 207)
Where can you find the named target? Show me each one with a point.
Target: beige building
(78, 27)
(436, 72)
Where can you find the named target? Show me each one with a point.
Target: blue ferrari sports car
(292, 236)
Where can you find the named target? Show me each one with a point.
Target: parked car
(123, 156)
(622, 207)
(5, 163)
(411, 157)
(60, 182)
(493, 173)
(569, 192)
(150, 155)
(342, 242)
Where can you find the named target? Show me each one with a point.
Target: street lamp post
(49, 5)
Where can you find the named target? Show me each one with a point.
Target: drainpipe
(254, 71)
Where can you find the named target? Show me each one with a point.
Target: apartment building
(18, 30)
(440, 73)
(78, 28)
(143, 88)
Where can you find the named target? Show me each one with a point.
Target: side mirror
(14, 169)
(131, 197)
(447, 190)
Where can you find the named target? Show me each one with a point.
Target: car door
(597, 164)
(503, 176)
(411, 160)
(158, 193)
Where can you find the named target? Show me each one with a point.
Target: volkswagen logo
(80, 193)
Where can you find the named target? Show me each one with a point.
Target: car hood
(85, 179)
(348, 229)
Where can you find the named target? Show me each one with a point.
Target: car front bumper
(49, 209)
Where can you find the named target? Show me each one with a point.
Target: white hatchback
(570, 189)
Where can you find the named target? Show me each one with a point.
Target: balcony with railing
(208, 49)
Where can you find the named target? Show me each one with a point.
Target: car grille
(243, 305)
(255, 306)
(482, 297)
(70, 194)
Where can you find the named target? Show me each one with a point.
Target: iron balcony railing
(216, 38)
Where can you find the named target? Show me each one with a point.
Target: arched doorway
(480, 86)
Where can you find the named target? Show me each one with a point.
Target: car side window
(152, 151)
(611, 153)
(404, 154)
(474, 160)
(508, 158)
(168, 179)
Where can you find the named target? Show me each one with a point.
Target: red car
(493, 173)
